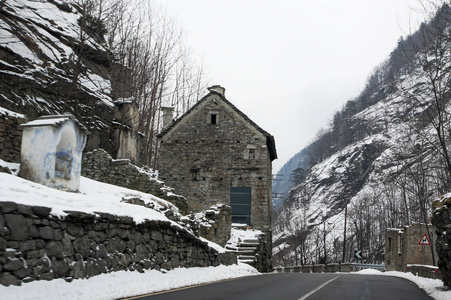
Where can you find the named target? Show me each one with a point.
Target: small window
(195, 174)
(251, 153)
(213, 119)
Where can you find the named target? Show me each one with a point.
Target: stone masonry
(214, 154)
(441, 219)
(213, 148)
(10, 135)
(100, 166)
(34, 245)
(402, 248)
(213, 224)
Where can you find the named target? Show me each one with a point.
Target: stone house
(214, 154)
(403, 247)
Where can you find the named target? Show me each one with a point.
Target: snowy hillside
(48, 65)
(387, 175)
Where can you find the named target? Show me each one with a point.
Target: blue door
(240, 201)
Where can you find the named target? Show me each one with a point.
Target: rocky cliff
(50, 65)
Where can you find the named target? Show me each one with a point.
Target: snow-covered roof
(53, 120)
(129, 100)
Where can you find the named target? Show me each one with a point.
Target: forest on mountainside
(381, 161)
(80, 56)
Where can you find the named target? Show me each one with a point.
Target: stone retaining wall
(100, 166)
(10, 136)
(35, 245)
(441, 219)
(425, 271)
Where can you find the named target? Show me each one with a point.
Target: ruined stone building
(215, 154)
(126, 138)
(406, 246)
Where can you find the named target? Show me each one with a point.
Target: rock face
(34, 245)
(39, 66)
(441, 219)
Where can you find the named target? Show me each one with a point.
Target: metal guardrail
(366, 266)
(418, 270)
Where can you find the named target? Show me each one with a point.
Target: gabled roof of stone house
(219, 91)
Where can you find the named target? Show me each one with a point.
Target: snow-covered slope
(48, 65)
(386, 176)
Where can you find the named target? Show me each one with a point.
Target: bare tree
(427, 51)
(151, 63)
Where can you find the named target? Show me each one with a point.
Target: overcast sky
(289, 65)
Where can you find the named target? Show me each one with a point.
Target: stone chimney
(168, 115)
(218, 89)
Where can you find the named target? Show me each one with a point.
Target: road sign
(358, 254)
(424, 240)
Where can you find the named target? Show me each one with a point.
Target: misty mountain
(381, 163)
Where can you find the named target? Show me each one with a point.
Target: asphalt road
(295, 286)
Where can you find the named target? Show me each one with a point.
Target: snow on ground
(94, 197)
(433, 287)
(240, 233)
(123, 283)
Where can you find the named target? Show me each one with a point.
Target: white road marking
(317, 288)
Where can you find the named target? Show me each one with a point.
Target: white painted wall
(41, 148)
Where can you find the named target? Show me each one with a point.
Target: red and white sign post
(424, 242)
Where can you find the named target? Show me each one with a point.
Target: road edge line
(317, 288)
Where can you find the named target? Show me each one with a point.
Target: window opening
(213, 119)
(195, 174)
(240, 201)
(251, 153)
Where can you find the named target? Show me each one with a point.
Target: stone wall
(263, 261)
(213, 224)
(34, 245)
(10, 135)
(100, 166)
(441, 219)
